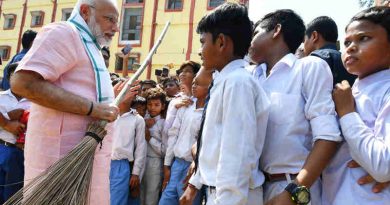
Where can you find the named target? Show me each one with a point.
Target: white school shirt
(302, 111)
(183, 133)
(129, 140)
(156, 145)
(9, 102)
(233, 135)
(367, 141)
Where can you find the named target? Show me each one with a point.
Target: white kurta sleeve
(319, 107)
(140, 148)
(370, 148)
(156, 142)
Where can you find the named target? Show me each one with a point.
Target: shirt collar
(131, 112)
(230, 67)
(288, 60)
(360, 84)
(9, 93)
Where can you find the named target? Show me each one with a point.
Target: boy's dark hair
(230, 19)
(149, 82)
(292, 26)
(194, 65)
(28, 38)
(377, 15)
(156, 94)
(325, 26)
(11, 69)
(168, 80)
(138, 101)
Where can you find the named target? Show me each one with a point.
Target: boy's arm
(156, 141)
(13, 126)
(140, 149)
(173, 134)
(369, 148)
(238, 142)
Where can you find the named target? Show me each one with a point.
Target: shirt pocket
(285, 108)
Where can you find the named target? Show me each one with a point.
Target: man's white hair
(92, 3)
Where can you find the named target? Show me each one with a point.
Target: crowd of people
(253, 124)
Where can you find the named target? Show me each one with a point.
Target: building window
(9, 21)
(132, 63)
(132, 25)
(214, 3)
(66, 14)
(174, 5)
(134, 1)
(37, 18)
(5, 52)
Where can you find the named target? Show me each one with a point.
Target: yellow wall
(172, 50)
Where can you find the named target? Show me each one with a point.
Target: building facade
(141, 22)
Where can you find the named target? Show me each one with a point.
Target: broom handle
(140, 69)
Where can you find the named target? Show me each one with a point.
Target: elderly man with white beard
(65, 77)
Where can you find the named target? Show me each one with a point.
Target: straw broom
(67, 182)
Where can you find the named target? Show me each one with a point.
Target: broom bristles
(65, 182)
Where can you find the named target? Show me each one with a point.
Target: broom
(68, 180)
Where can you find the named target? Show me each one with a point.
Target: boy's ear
(277, 31)
(221, 40)
(314, 36)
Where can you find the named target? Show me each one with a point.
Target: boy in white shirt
(151, 183)
(302, 133)
(364, 113)
(129, 145)
(236, 114)
(181, 137)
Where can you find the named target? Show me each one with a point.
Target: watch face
(303, 196)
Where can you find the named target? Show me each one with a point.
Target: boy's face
(141, 109)
(308, 45)
(154, 106)
(209, 51)
(260, 43)
(367, 48)
(200, 85)
(186, 75)
(171, 88)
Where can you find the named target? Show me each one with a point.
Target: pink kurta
(58, 55)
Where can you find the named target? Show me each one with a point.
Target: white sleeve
(239, 126)
(195, 180)
(140, 148)
(156, 142)
(370, 148)
(319, 107)
(173, 134)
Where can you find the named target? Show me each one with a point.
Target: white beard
(97, 32)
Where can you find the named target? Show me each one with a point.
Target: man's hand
(167, 176)
(150, 122)
(377, 188)
(15, 114)
(283, 198)
(188, 196)
(134, 181)
(14, 127)
(105, 112)
(343, 98)
(190, 172)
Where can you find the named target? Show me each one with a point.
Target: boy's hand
(167, 176)
(134, 181)
(188, 196)
(283, 198)
(147, 135)
(190, 172)
(150, 122)
(377, 188)
(14, 127)
(15, 114)
(184, 102)
(343, 98)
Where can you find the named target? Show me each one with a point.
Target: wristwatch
(299, 194)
